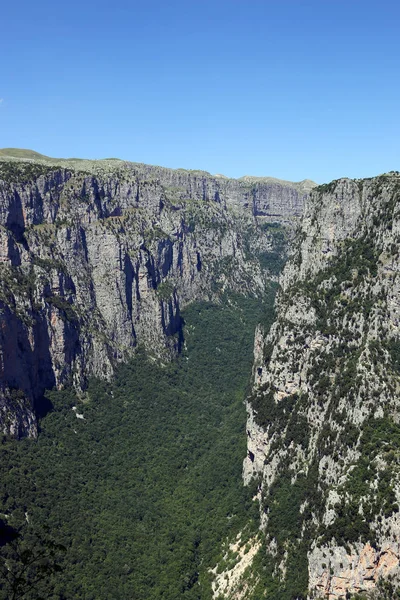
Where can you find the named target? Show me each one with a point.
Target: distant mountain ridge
(306, 185)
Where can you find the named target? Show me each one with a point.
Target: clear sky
(289, 88)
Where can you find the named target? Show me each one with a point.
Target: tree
(27, 562)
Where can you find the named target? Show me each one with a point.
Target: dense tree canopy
(130, 493)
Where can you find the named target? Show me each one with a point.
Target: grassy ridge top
(22, 153)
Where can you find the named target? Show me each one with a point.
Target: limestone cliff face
(323, 427)
(97, 257)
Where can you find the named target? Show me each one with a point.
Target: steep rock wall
(323, 427)
(98, 257)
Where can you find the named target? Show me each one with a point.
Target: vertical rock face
(98, 257)
(323, 426)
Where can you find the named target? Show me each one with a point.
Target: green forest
(131, 492)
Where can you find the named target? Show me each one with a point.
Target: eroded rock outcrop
(334, 572)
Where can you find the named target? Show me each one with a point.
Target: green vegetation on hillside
(23, 172)
(134, 499)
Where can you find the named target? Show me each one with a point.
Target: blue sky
(289, 88)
